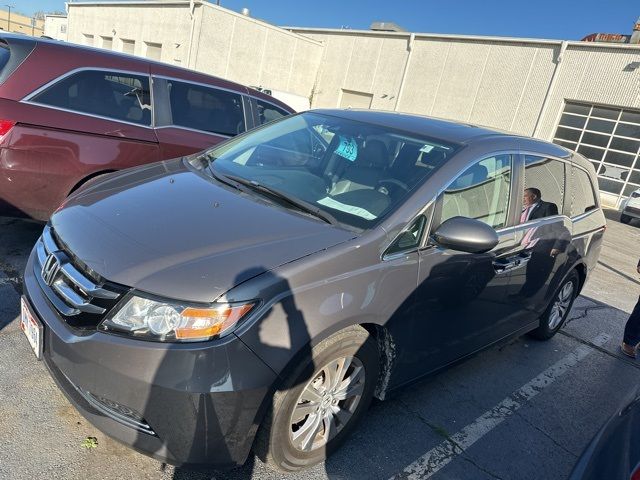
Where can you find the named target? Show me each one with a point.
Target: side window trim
(516, 160)
(247, 107)
(428, 213)
(242, 95)
(28, 98)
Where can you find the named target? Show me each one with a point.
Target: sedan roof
(446, 130)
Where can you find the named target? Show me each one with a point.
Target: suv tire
(558, 310)
(276, 442)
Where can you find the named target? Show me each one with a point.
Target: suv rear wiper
(296, 202)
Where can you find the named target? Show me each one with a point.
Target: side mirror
(466, 235)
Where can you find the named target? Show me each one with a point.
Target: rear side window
(5, 54)
(546, 176)
(205, 108)
(113, 95)
(267, 112)
(582, 193)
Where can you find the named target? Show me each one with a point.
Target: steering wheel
(395, 182)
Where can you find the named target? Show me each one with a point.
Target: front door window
(481, 192)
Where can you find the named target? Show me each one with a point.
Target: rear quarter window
(114, 95)
(5, 55)
(268, 112)
(583, 193)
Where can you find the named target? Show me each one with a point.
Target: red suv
(70, 113)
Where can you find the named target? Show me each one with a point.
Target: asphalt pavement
(525, 409)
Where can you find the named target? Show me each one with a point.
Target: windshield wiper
(224, 179)
(296, 202)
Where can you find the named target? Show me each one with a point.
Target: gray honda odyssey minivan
(256, 296)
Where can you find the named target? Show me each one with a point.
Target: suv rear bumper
(184, 404)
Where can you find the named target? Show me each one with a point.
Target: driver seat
(366, 171)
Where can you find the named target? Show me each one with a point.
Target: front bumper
(184, 404)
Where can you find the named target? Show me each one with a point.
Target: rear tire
(298, 432)
(558, 310)
(626, 219)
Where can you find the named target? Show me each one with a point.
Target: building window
(63, 29)
(128, 46)
(107, 43)
(610, 138)
(88, 39)
(154, 50)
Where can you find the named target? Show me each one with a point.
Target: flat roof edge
(539, 41)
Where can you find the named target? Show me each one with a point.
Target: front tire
(558, 310)
(320, 402)
(626, 219)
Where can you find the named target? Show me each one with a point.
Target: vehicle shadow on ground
(17, 236)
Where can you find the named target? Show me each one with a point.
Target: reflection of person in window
(535, 207)
(544, 242)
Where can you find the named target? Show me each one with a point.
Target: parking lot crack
(620, 358)
(482, 469)
(547, 435)
(586, 312)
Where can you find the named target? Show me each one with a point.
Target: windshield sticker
(348, 148)
(357, 211)
(427, 148)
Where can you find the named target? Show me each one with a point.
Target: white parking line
(438, 457)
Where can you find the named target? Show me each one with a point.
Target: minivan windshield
(349, 171)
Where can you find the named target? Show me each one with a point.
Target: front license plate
(31, 327)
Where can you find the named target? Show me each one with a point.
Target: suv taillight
(5, 127)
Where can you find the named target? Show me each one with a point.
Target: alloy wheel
(561, 305)
(327, 403)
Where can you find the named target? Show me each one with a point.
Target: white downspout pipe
(412, 37)
(192, 9)
(552, 84)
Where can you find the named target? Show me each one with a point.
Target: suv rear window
(5, 54)
(118, 96)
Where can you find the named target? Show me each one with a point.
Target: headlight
(168, 322)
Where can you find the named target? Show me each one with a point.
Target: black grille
(79, 295)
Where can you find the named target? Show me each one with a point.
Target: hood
(170, 231)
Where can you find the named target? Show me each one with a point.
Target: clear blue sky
(558, 19)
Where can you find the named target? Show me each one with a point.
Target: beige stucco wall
(500, 83)
(55, 26)
(168, 25)
(593, 75)
(253, 52)
(19, 23)
(223, 43)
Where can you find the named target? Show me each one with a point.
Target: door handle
(506, 265)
